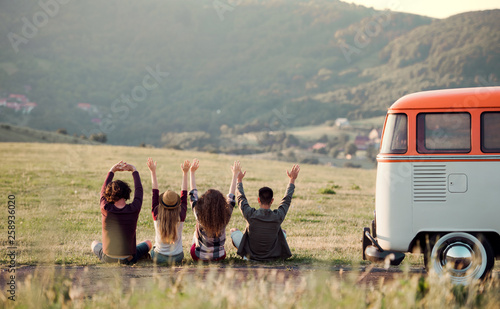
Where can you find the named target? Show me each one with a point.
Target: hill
(158, 67)
(460, 51)
(12, 133)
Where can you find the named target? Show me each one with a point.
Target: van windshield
(395, 134)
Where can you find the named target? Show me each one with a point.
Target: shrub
(327, 191)
(351, 165)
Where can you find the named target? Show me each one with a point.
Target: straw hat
(169, 199)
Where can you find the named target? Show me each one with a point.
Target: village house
(362, 142)
(18, 102)
(342, 123)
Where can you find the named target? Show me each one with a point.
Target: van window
(490, 128)
(395, 134)
(443, 133)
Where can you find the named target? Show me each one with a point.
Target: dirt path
(93, 279)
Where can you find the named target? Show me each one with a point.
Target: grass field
(56, 192)
(56, 188)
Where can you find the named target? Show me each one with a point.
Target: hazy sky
(432, 8)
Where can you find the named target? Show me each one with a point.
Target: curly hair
(167, 221)
(117, 190)
(213, 212)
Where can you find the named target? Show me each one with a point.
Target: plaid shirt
(208, 248)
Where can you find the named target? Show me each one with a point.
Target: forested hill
(144, 68)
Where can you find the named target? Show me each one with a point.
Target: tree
(99, 137)
(371, 153)
(350, 149)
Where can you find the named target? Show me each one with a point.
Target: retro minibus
(438, 182)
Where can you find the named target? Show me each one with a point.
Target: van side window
(443, 133)
(490, 129)
(395, 134)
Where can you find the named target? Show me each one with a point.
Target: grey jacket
(263, 239)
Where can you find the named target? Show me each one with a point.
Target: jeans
(141, 250)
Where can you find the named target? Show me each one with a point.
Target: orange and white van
(438, 182)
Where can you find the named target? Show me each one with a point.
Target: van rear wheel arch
(424, 239)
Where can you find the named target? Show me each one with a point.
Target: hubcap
(458, 256)
(461, 255)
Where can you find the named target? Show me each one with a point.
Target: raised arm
(138, 190)
(294, 173)
(185, 166)
(236, 169)
(193, 169)
(152, 168)
(115, 168)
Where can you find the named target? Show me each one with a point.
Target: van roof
(460, 98)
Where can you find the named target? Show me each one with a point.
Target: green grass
(57, 199)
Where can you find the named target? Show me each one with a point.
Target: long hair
(117, 190)
(213, 212)
(167, 221)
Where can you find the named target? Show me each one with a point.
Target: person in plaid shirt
(212, 212)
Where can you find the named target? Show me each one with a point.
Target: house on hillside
(21, 98)
(28, 107)
(89, 108)
(84, 106)
(18, 102)
(318, 146)
(362, 142)
(342, 123)
(375, 137)
(13, 105)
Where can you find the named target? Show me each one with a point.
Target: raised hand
(151, 165)
(241, 175)
(185, 166)
(118, 167)
(129, 167)
(193, 169)
(236, 168)
(195, 165)
(294, 173)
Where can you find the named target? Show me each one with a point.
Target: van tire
(477, 261)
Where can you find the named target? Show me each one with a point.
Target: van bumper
(374, 253)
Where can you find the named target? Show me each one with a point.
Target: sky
(431, 8)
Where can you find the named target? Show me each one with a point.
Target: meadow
(56, 192)
(56, 187)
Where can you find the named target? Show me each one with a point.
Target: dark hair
(117, 190)
(213, 212)
(265, 195)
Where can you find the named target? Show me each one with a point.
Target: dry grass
(57, 216)
(57, 193)
(210, 288)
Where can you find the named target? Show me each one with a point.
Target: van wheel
(460, 255)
